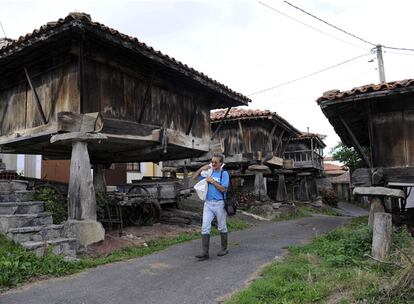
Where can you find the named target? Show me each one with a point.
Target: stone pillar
(281, 194)
(375, 205)
(381, 238)
(376, 195)
(99, 182)
(82, 223)
(260, 189)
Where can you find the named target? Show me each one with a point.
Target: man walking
(218, 183)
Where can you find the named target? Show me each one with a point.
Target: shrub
(329, 196)
(55, 203)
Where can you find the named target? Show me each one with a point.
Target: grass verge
(333, 268)
(18, 265)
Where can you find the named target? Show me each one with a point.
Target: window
(134, 167)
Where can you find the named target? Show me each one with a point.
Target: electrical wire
(346, 32)
(309, 75)
(330, 24)
(2, 28)
(310, 26)
(396, 53)
(398, 49)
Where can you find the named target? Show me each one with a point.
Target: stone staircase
(24, 221)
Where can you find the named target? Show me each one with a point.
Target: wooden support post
(381, 238)
(260, 189)
(82, 223)
(259, 186)
(81, 193)
(99, 182)
(281, 194)
(304, 190)
(375, 207)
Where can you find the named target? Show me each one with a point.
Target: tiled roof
(242, 113)
(84, 21)
(341, 179)
(385, 86)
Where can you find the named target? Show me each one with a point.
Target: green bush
(329, 196)
(55, 203)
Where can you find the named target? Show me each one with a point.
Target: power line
(398, 49)
(346, 32)
(397, 53)
(307, 25)
(330, 24)
(1, 25)
(309, 75)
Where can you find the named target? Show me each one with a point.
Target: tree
(348, 156)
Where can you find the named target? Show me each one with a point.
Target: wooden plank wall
(255, 137)
(118, 94)
(57, 90)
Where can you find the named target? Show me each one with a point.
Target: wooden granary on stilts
(265, 154)
(76, 89)
(378, 121)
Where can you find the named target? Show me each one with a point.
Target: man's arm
(224, 182)
(197, 173)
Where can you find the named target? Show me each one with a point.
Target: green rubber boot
(205, 244)
(224, 239)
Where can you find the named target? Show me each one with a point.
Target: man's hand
(210, 180)
(205, 167)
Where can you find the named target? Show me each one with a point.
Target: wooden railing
(305, 159)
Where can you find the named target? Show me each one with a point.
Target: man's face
(215, 161)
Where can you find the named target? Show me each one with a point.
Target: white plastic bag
(202, 186)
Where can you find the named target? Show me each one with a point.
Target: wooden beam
(270, 141)
(147, 97)
(220, 123)
(74, 122)
(279, 140)
(190, 125)
(356, 143)
(39, 105)
(370, 128)
(81, 74)
(242, 136)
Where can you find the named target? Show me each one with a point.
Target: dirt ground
(135, 236)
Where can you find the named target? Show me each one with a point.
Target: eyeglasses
(215, 162)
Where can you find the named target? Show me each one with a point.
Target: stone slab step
(13, 185)
(24, 220)
(16, 196)
(59, 246)
(35, 233)
(32, 207)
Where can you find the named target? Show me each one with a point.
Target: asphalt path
(174, 275)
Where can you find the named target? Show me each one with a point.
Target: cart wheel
(146, 213)
(138, 189)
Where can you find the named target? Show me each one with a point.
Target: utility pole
(380, 63)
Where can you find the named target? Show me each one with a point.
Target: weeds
(18, 265)
(333, 266)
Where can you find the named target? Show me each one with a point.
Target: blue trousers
(214, 209)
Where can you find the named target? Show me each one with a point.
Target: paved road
(348, 209)
(174, 275)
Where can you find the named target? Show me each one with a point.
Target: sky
(250, 47)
